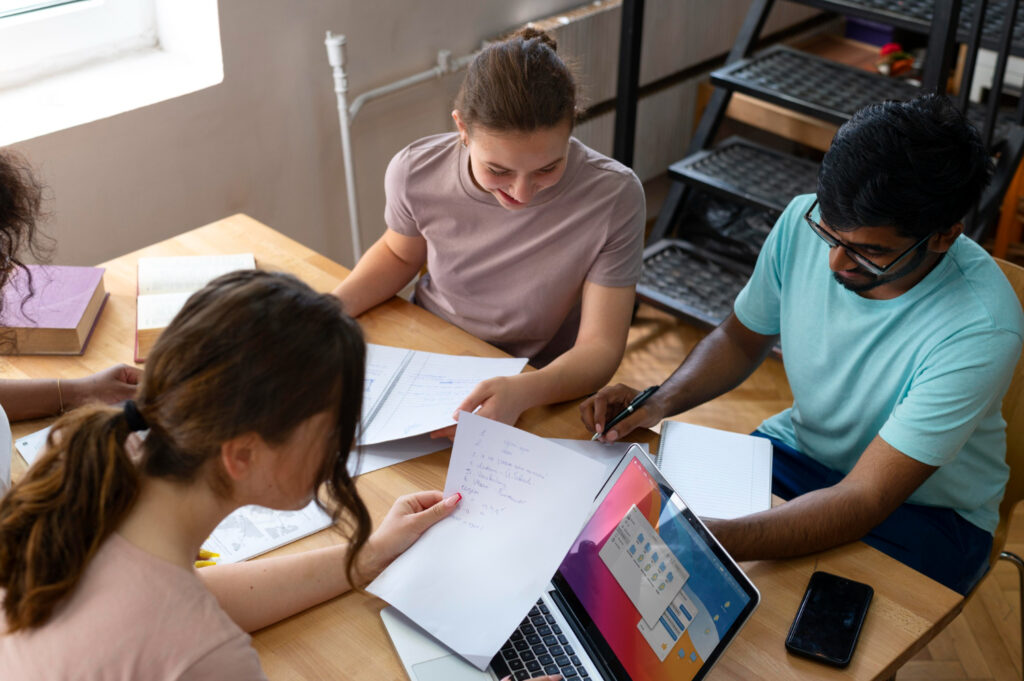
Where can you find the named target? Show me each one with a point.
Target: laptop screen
(655, 594)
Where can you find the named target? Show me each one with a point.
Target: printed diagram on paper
(252, 530)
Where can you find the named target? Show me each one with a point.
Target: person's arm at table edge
(881, 481)
(720, 362)
(600, 343)
(384, 269)
(258, 593)
(37, 397)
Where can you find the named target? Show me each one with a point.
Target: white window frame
(40, 42)
(161, 49)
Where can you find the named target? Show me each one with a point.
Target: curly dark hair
(21, 200)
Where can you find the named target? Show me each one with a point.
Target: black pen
(633, 406)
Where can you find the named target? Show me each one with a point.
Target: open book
(59, 315)
(166, 283)
(408, 392)
(718, 474)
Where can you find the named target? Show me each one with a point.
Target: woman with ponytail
(532, 241)
(251, 396)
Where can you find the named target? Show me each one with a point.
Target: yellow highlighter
(205, 558)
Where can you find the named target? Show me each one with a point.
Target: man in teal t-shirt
(899, 337)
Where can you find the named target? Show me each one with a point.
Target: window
(9, 8)
(44, 38)
(68, 62)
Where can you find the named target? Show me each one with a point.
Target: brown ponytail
(54, 521)
(253, 352)
(518, 85)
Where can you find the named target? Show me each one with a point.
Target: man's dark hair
(917, 166)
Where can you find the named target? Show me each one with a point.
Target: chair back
(1013, 414)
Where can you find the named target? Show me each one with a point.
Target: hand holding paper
(472, 577)
(408, 392)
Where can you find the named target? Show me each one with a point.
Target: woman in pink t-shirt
(98, 539)
(532, 241)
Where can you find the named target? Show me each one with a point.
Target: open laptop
(645, 593)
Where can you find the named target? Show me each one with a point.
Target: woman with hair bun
(532, 241)
(97, 541)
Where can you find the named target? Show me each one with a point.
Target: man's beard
(880, 279)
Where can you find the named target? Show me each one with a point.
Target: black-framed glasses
(859, 258)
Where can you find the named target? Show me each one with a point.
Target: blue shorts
(936, 541)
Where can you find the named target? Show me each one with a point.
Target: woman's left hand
(496, 398)
(410, 516)
(111, 385)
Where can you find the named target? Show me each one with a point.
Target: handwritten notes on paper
(407, 392)
(492, 481)
(472, 577)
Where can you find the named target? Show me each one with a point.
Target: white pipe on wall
(346, 113)
(336, 57)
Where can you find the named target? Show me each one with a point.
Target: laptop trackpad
(449, 668)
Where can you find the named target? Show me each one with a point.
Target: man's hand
(601, 407)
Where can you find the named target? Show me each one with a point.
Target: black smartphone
(828, 622)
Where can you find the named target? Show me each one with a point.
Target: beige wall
(266, 141)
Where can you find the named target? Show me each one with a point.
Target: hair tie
(134, 418)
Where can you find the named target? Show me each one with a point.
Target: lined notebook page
(717, 473)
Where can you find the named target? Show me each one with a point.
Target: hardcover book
(50, 309)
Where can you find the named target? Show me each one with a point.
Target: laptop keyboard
(538, 647)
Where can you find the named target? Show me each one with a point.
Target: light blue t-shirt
(926, 370)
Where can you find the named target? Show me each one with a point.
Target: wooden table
(344, 638)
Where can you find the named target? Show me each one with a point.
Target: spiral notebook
(719, 474)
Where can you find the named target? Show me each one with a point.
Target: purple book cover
(61, 295)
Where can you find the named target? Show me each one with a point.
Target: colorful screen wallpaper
(654, 589)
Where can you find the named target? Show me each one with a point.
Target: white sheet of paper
(382, 363)
(717, 473)
(427, 391)
(252, 530)
(374, 457)
(472, 578)
(384, 454)
(31, 446)
(606, 453)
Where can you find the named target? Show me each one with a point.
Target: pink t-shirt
(132, 616)
(515, 278)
